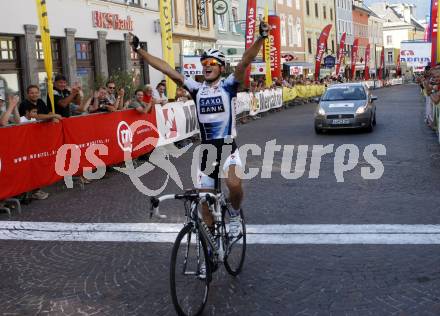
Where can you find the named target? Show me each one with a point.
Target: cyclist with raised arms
(216, 116)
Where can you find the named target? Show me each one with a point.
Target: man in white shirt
(159, 96)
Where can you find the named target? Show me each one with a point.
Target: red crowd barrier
(28, 152)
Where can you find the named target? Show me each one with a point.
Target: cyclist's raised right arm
(162, 66)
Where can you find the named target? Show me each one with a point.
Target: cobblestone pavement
(120, 278)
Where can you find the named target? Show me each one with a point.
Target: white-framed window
(297, 5)
(291, 30)
(281, 1)
(222, 22)
(234, 19)
(298, 32)
(289, 3)
(390, 57)
(204, 17)
(389, 39)
(283, 30)
(189, 12)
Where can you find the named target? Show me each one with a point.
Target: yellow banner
(301, 91)
(47, 48)
(167, 41)
(267, 50)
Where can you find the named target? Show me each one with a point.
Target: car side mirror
(317, 99)
(373, 98)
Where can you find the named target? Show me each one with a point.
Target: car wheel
(370, 127)
(374, 119)
(318, 130)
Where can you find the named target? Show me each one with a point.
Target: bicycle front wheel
(236, 247)
(189, 272)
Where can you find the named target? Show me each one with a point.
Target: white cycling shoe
(234, 226)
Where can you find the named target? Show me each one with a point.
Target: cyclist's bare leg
(233, 182)
(206, 214)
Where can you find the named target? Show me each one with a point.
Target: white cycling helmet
(214, 53)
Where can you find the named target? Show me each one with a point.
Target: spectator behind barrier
(10, 109)
(67, 102)
(117, 99)
(181, 95)
(33, 99)
(101, 102)
(30, 114)
(139, 104)
(148, 93)
(159, 95)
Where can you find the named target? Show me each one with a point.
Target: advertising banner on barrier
(176, 121)
(113, 130)
(263, 101)
(242, 103)
(191, 66)
(27, 157)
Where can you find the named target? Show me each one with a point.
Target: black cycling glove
(264, 30)
(135, 44)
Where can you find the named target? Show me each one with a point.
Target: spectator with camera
(10, 110)
(101, 102)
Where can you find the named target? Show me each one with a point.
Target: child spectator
(30, 114)
(33, 100)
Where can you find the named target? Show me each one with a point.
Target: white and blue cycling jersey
(215, 109)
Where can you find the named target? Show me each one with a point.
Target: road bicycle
(198, 252)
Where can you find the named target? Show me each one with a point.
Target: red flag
(433, 29)
(367, 63)
(275, 46)
(382, 62)
(398, 70)
(320, 49)
(340, 53)
(354, 55)
(251, 18)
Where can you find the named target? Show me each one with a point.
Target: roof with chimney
(394, 17)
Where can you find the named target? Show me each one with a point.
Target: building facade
(317, 14)
(361, 14)
(89, 40)
(375, 35)
(399, 25)
(344, 24)
(193, 28)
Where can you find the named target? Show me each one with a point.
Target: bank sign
(191, 66)
(415, 54)
(111, 21)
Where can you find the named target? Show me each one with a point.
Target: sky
(422, 6)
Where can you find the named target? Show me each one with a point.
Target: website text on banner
(26, 164)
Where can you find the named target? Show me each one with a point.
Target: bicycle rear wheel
(190, 272)
(235, 248)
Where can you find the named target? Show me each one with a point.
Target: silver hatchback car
(346, 105)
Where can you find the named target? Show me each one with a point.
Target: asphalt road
(131, 278)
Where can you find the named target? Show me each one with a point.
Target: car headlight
(321, 111)
(361, 110)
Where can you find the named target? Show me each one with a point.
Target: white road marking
(256, 234)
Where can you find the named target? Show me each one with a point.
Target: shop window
(234, 19)
(308, 7)
(189, 12)
(56, 64)
(291, 31)
(138, 69)
(221, 21)
(10, 81)
(316, 10)
(85, 64)
(203, 14)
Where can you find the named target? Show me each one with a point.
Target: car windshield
(345, 93)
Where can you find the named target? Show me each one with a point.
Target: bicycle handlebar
(189, 195)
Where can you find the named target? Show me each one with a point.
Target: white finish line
(256, 234)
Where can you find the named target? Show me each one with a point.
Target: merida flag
(367, 63)
(382, 63)
(251, 18)
(354, 55)
(167, 42)
(340, 53)
(322, 43)
(47, 48)
(433, 29)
